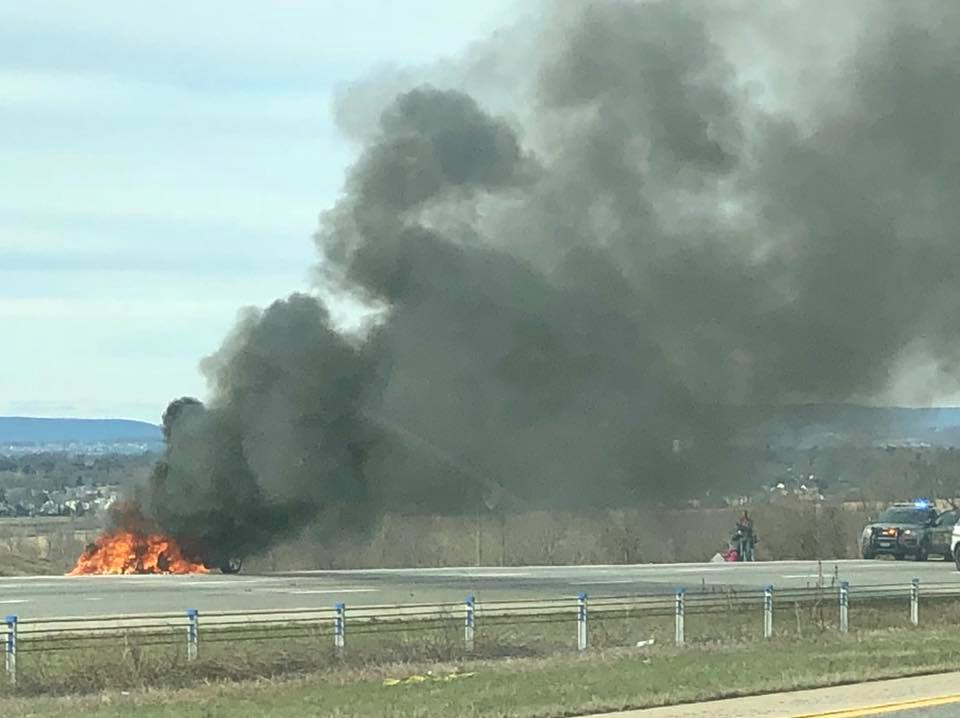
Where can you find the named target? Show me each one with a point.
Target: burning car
(910, 529)
(225, 564)
(120, 551)
(124, 552)
(134, 544)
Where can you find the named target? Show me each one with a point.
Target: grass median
(553, 686)
(76, 662)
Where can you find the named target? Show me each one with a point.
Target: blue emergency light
(921, 503)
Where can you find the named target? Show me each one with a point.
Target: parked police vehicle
(913, 529)
(955, 544)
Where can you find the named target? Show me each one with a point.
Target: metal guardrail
(192, 629)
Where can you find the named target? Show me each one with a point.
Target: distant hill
(798, 426)
(30, 430)
(847, 424)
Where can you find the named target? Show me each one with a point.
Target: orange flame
(122, 552)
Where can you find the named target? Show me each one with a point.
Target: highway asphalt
(932, 696)
(50, 596)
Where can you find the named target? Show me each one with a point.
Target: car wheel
(899, 556)
(947, 556)
(956, 556)
(231, 565)
(868, 555)
(921, 554)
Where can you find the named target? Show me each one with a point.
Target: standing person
(746, 537)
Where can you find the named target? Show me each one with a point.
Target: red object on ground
(730, 555)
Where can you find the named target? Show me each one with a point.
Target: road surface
(933, 696)
(49, 596)
(947, 711)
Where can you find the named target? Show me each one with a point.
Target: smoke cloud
(579, 246)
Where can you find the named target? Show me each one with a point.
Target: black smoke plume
(678, 206)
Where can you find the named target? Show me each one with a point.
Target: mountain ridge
(788, 424)
(51, 430)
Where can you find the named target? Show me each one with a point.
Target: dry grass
(53, 665)
(41, 546)
(23, 564)
(793, 531)
(559, 685)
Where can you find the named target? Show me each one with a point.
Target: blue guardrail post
(915, 602)
(193, 634)
(582, 622)
(680, 614)
(10, 649)
(844, 607)
(339, 626)
(768, 612)
(469, 619)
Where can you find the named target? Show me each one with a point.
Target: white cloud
(164, 166)
(238, 39)
(70, 98)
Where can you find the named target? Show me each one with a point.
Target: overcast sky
(163, 164)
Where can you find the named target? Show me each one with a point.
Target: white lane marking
(4, 588)
(93, 598)
(552, 569)
(142, 581)
(14, 600)
(51, 577)
(154, 578)
(221, 582)
(805, 575)
(604, 581)
(498, 574)
(301, 591)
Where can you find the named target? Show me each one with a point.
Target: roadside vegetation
(35, 547)
(855, 481)
(541, 687)
(792, 530)
(73, 663)
(23, 564)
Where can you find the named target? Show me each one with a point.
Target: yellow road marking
(886, 708)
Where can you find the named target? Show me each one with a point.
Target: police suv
(955, 544)
(914, 529)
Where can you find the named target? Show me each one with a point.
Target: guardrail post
(915, 602)
(768, 612)
(844, 606)
(582, 622)
(10, 651)
(468, 623)
(340, 626)
(680, 612)
(193, 633)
